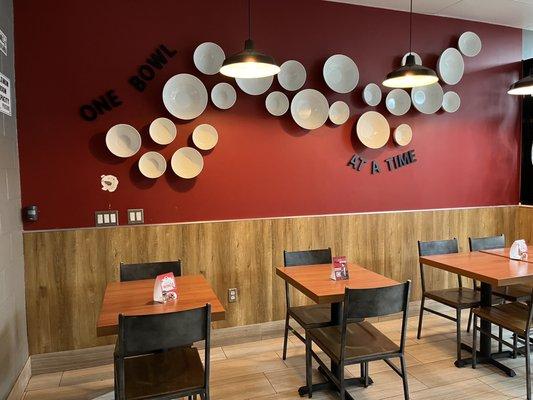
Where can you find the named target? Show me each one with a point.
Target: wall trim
(273, 218)
(17, 391)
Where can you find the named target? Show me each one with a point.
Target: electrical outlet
(106, 218)
(135, 216)
(232, 295)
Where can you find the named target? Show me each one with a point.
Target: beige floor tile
(234, 367)
(44, 381)
(386, 384)
(291, 378)
(293, 395)
(512, 387)
(242, 388)
(434, 351)
(444, 372)
(380, 366)
(83, 391)
(86, 375)
(252, 348)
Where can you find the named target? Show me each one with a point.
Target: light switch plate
(106, 218)
(135, 216)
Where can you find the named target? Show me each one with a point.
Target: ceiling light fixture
(410, 75)
(523, 87)
(249, 63)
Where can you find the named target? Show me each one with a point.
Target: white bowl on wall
(123, 140)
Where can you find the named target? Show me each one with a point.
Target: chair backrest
(486, 243)
(433, 248)
(368, 303)
(135, 272)
(307, 257)
(143, 334)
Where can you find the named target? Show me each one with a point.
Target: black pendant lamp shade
(249, 63)
(522, 87)
(410, 75)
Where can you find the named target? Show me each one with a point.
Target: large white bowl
(418, 59)
(339, 112)
(310, 109)
(223, 95)
(373, 130)
(205, 137)
(427, 99)
(470, 44)
(152, 164)
(292, 75)
(123, 140)
(277, 103)
(403, 135)
(185, 96)
(187, 162)
(451, 102)
(162, 131)
(255, 86)
(208, 58)
(451, 66)
(372, 94)
(398, 102)
(341, 73)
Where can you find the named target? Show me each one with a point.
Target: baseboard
(102, 355)
(17, 391)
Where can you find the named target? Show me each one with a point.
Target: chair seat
(363, 340)
(510, 316)
(456, 297)
(312, 316)
(513, 292)
(163, 373)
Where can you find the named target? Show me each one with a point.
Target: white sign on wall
(3, 42)
(5, 95)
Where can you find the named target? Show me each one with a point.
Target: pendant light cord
(411, 28)
(249, 19)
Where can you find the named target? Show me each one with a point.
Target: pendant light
(522, 87)
(249, 63)
(410, 75)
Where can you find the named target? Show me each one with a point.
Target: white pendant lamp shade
(523, 87)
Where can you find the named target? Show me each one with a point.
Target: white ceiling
(515, 13)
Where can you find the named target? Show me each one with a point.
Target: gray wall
(527, 44)
(13, 339)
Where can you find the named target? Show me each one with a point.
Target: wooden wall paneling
(67, 271)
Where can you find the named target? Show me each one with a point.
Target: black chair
(135, 272)
(509, 293)
(515, 317)
(358, 342)
(143, 371)
(312, 316)
(458, 298)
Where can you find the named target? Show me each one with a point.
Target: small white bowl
(152, 164)
(223, 95)
(451, 102)
(123, 140)
(373, 130)
(339, 112)
(403, 135)
(205, 137)
(451, 66)
(187, 162)
(372, 94)
(427, 99)
(292, 75)
(208, 58)
(254, 86)
(341, 73)
(185, 96)
(470, 44)
(418, 59)
(398, 102)
(309, 109)
(277, 103)
(162, 131)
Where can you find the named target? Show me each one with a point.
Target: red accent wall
(69, 52)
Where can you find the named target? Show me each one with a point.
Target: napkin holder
(518, 250)
(165, 288)
(339, 269)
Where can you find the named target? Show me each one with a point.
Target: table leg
(336, 319)
(485, 342)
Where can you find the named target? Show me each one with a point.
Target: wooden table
(491, 270)
(504, 253)
(136, 298)
(314, 282)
